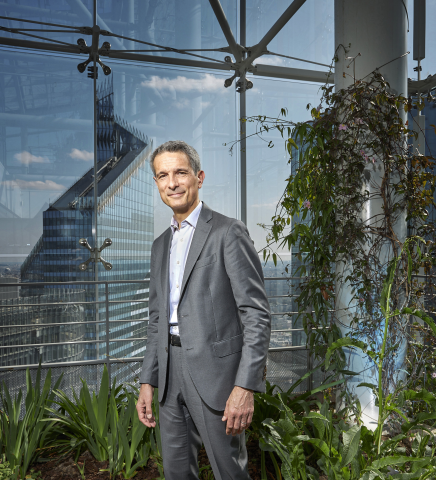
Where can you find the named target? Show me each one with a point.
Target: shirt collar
(192, 219)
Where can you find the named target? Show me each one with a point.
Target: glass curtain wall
(49, 143)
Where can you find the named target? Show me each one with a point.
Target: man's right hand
(143, 406)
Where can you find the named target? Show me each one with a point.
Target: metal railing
(103, 318)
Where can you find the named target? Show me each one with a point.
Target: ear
(200, 177)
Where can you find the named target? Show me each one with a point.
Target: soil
(58, 468)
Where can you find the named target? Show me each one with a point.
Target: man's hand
(239, 410)
(143, 405)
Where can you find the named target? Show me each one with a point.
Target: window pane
(140, 107)
(46, 146)
(187, 24)
(268, 169)
(176, 104)
(309, 34)
(60, 12)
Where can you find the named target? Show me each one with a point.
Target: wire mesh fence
(75, 335)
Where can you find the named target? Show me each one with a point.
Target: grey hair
(178, 146)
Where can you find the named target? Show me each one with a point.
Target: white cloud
(207, 83)
(26, 158)
(81, 155)
(181, 104)
(34, 185)
(272, 60)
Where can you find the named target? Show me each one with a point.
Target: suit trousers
(186, 422)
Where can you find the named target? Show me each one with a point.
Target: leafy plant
(126, 436)
(81, 469)
(106, 423)
(354, 152)
(20, 438)
(352, 452)
(5, 470)
(83, 422)
(269, 408)
(155, 437)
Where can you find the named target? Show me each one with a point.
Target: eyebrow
(178, 170)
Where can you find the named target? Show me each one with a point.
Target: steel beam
(242, 122)
(258, 49)
(32, 12)
(51, 47)
(225, 27)
(292, 73)
(79, 363)
(84, 363)
(258, 69)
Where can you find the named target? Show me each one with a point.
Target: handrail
(75, 342)
(105, 335)
(36, 325)
(71, 282)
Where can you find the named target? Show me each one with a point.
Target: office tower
(125, 215)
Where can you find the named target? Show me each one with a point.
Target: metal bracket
(94, 52)
(95, 254)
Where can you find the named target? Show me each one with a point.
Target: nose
(172, 181)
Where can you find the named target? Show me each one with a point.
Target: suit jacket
(223, 312)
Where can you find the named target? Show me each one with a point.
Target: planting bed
(56, 468)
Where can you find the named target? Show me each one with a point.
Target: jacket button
(166, 349)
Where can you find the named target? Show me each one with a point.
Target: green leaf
(351, 439)
(343, 342)
(321, 445)
(394, 460)
(368, 385)
(422, 315)
(291, 141)
(420, 418)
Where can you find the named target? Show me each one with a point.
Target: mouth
(176, 195)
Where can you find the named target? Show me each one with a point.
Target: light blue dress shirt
(180, 244)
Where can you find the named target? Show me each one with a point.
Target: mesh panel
(126, 373)
(286, 367)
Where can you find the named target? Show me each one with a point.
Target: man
(209, 326)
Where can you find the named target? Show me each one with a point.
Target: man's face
(177, 183)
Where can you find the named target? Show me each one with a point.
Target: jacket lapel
(201, 233)
(165, 275)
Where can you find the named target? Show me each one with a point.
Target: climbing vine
(358, 190)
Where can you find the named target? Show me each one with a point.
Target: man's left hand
(239, 410)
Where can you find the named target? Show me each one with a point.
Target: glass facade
(310, 39)
(188, 25)
(169, 62)
(125, 215)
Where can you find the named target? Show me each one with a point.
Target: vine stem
(380, 372)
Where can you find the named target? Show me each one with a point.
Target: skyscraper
(125, 214)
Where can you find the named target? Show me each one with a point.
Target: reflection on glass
(66, 13)
(46, 144)
(177, 104)
(309, 34)
(125, 215)
(187, 24)
(428, 64)
(268, 169)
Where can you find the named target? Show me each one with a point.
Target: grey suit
(223, 317)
